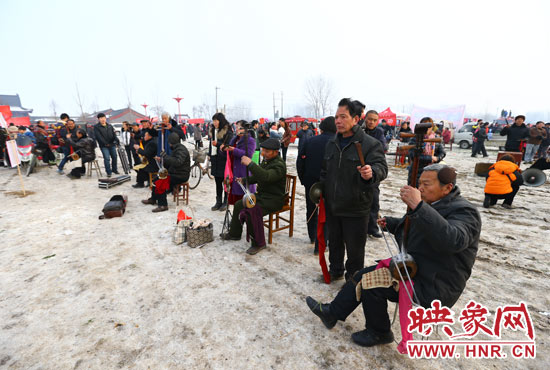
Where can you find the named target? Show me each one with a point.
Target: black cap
(272, 144)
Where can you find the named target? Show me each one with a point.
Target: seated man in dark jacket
(443, 240)
(148, 152)
(84, 147)
(270, 176)
(178, 164)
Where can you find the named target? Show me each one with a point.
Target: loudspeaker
(533, 177)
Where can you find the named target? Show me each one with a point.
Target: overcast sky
(488, 55)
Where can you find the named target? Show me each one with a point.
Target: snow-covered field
(118, 294)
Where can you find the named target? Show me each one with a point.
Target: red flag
(321, 219)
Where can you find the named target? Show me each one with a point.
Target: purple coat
(239, 170)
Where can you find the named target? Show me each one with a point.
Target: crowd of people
(346, 159)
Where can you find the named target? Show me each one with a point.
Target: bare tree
(206, 109)
(80, 102)
(240, 110)
(53, 106)
(319, 91)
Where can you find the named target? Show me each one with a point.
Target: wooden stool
(183, 195)
(151, 179)
(94, 165)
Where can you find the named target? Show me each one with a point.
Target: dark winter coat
(217, 161)
(105, 135)
(378, 134)
(513, 135)
(443, 240)
(270, 176)
(178, 162)
(405, 130)
(85, 148)
(346, 193)
(178, 130)
(310, 159)
(303, 136)
(480, 134)
(150, 151)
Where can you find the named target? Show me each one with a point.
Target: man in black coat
(443, 240)
(308, 165)
(178, 164)
(515, 134)
(372, 129)
(479, 137)
(348, 188)
(148, 154)
(107, 140)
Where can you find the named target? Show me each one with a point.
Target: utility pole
(274, 117)
(217, 88)
(282, 112)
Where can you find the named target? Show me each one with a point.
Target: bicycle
(200, 167)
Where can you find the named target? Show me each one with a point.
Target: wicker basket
(199, 155)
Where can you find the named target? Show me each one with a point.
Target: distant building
(19, 116)
(118, 115)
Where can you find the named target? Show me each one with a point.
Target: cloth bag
(179, 235)
(199, 236)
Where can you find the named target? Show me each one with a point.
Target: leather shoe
(138, 186)
(148, 201)
(368, 338)
(376, 234)
(227, 236)
(160, 209)
(323, 311)
(254, 249)
(334, 277)
(216, 207)
(223, 207)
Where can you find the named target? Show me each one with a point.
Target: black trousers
(346, 235)
(374, 209)
(479, 147)
(374, 302)
(491, 199)
(219, 190)
(284, 149)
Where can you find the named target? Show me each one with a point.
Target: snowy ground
(118, 294)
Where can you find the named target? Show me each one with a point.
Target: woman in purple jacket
(238, 146)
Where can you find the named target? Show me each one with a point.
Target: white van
(463, 137)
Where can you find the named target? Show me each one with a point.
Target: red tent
(389, 116)
(194, 121)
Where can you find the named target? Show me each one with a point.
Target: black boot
(224, 204)
(323, 311)
(217, 205)
(369, 338)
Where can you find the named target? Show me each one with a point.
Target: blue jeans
(530, 151)
(66, 158)
(109, 153)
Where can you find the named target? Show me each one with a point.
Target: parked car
(463, 137)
